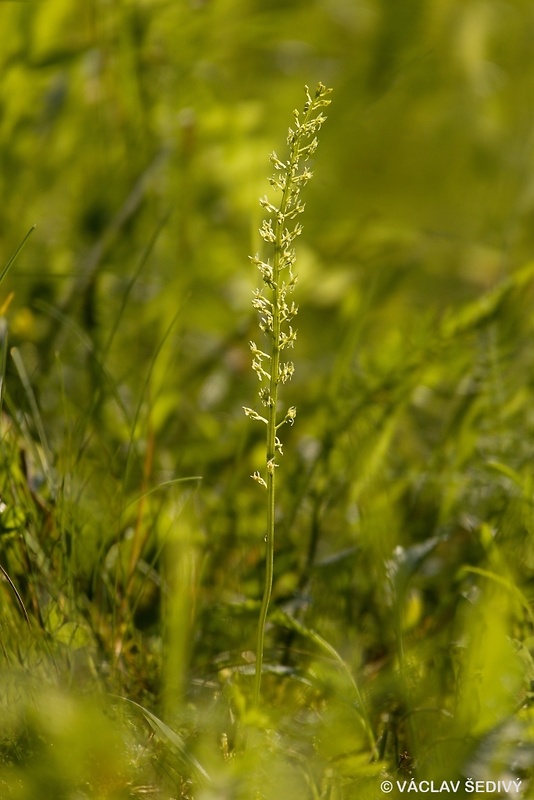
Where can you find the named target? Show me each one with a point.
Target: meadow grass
(396, 614)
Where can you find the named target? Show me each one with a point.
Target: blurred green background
(135, 136)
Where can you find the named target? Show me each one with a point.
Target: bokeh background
(134, 136)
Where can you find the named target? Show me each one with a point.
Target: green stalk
(268, 585)
(271, 454)
(275, 317)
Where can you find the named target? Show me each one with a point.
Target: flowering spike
(278, 231)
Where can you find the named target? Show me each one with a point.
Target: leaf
(15, 254)
(287, 621)
(407, 560)
(505, 583)
(73, 634)
(172, 738)
(482, 310)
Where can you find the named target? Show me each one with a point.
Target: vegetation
(390, 628)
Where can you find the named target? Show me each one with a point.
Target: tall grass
(394, 639)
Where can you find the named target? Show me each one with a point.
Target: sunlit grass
(400, 621)
(398, 632)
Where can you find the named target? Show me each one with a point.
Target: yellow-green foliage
(134, 136)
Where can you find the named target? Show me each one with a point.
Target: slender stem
(17, 593)
(412, 734)
(15, 254)
(276, 315)
(271, 469)
(268, 586)
(274, 382)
